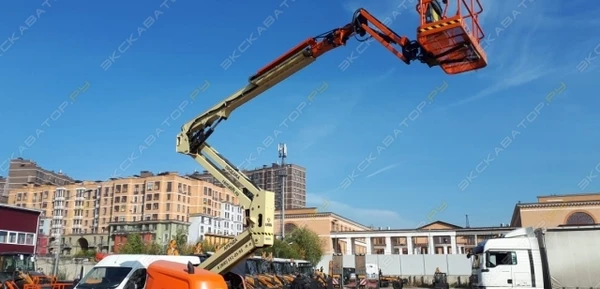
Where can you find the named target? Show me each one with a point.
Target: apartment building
(269, 178)
(231, 220)
(100, 215)
(229, 223)
(3, 189)
(22, 172)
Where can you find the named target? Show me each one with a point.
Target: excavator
(17, 271)
(268, 272)
(452, 42)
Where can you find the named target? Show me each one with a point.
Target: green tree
(154, 249)
(281, 249)
(208, 246)
(307, 243)
(134, 245)
(181, 239)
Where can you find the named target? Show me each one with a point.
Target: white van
(125, 271)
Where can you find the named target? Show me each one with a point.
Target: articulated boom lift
(448, 42)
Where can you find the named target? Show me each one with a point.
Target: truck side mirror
(75, 281)
(469, 255)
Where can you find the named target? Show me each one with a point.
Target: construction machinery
(451, 42)
(440, 280)
(17, 271)
(395, 281)
(366, 274)
(319, 280)
(369, 275)
(336, 271)
(266, 274)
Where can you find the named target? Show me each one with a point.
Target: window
(21, 238)
(3, 236)
(494, 259)
(12, 238)
(110, 276)
(137, 279)
(29, 239)
(580, 218)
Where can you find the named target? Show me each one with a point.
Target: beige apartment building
(101, 214)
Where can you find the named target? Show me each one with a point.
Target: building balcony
(132, 231)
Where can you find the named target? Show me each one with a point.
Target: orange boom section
(454, 41)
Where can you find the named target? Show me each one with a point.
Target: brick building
(22, 172)
(18, 229)
(3, 189)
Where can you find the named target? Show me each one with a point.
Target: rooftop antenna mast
(467, 225)
(282, 149)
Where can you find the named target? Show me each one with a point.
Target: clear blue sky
(533, 48)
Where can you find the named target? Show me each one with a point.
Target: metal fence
(67, 268)
(411, 265)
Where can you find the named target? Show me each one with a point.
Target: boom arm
(258, 203)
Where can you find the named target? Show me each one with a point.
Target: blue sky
(60, 61)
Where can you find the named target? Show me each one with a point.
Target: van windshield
(104, 277)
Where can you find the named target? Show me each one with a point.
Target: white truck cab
(564, 257)
(125, 271)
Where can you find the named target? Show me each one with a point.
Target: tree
(208, 246)
(307, 243)
(154, 249)
(281, 249)
(181, 239)
(134, 245)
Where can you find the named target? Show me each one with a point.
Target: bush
(85, 254)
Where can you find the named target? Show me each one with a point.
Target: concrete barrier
(418, 269)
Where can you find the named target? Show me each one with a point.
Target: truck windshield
(104, 277)
(305, 268)
(477, 260)
(16, 262)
